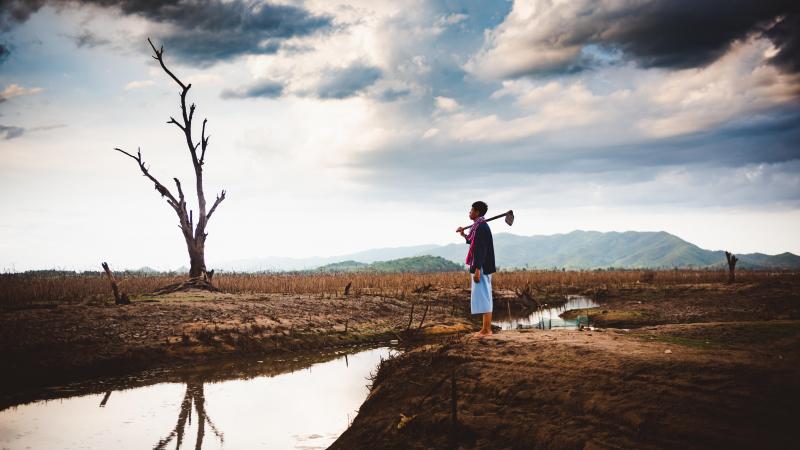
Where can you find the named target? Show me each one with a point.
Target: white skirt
(481, 298)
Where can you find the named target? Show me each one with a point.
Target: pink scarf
(472, 231)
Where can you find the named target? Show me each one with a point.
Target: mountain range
(574, 250)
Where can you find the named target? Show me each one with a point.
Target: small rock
(667, 351)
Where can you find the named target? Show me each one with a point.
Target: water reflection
(548, 317)
(292, 403)
(194, 395)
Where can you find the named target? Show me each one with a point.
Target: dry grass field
(21, 289)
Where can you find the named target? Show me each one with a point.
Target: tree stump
(732, 260)
(121, 298)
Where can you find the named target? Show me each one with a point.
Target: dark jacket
(483, 252)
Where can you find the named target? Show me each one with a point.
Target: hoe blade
(510, 217)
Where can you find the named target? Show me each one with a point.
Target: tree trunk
(121, 298)
(732, 260)
(197, 261)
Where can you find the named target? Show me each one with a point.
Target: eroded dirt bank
(699, 385)
(653, 304)
(43, 346)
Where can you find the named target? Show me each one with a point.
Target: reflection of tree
(105, 399)
(194, 395)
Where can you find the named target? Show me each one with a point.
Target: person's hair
(481, 207)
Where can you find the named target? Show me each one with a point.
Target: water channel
(255, 403)
(547, 318)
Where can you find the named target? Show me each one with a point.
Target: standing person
(480, 259)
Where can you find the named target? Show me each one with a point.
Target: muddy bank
(699, 385)
(209, 371)
(53, 345)
(643, 305)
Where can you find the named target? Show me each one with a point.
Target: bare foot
(481, 334)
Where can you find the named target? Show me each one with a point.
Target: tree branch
(180, 191)
(204, 142)
(219, 200)
(159, 57)
(159, 187)
(172, 120)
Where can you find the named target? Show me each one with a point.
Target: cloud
(738, 84)
(139, 84)
(785, 33)
(3, 53)
(446, 104)
(650, 104)
(88, 39)
(14, 90)
(200, 33)
(612, 125)
(392, 94)
(347, 82)
(16, 11)
(262, 89)
(547, 37)
(11, 132)
(452, 19)
(742, 166)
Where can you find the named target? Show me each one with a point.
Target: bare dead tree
(732, 260)
(194, 234)
(121, 298)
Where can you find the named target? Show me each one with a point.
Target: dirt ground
(690, 303)
(42, 346)
(678, 366)
(670, 365)
(701, 385)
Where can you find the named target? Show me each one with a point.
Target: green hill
(422, 263)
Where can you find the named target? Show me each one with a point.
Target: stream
(548, 318)
(293, 402)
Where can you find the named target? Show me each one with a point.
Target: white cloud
(452, 19)
(14, 90)
(540, 35)
(655, 103)
(446, 104)
(741, 82)
(139, 84)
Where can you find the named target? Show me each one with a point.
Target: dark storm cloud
(203, 31)
(673, 34)
(347, 82)
(683, 34)
(264, 89)
(786, 36)
(17, 11)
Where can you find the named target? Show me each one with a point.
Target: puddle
(547, 318)
(243, 404)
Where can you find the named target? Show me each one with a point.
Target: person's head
(479, 208)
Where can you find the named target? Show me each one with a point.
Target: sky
(339, 126)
